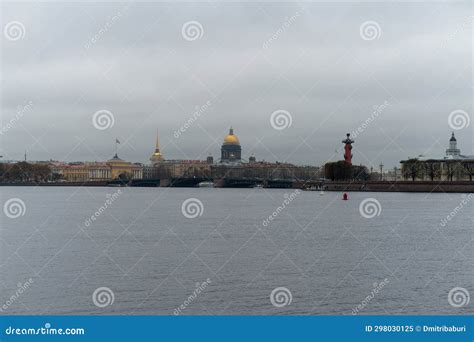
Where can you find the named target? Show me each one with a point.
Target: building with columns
(454, 166)
(231, 151)
(114, 168)
(121, 169)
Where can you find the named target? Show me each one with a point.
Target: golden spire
(157, 147)
(156, 156)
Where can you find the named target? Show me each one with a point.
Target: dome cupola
(231, 150)
(231, 138)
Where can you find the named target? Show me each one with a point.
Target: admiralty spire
(156, 157)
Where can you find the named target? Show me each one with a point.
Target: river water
(165, 251)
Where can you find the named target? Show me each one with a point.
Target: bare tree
(412, 168)
(468, 168)
(433, 169)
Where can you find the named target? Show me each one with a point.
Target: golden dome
(231, 138)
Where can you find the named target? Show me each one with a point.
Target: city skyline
(245, 157)
(327, 76)
(248, 165)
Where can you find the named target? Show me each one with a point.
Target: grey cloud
(143, 71)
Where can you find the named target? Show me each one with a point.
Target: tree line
(342, 170)
(23, 172)
(419, 169)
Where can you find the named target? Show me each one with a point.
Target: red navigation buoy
(345, 197)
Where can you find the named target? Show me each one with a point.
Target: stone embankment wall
(402, 186)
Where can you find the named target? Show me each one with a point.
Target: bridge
(251, 182)
(190, 174)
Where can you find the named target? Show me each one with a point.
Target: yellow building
(99, 171)
(121, 169)
(75, 172)
(184, 169)
(114, 168)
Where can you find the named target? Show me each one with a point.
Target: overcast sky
(326, 64)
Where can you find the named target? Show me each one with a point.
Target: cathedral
(231, 152)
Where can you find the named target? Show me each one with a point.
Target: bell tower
(453, 147)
